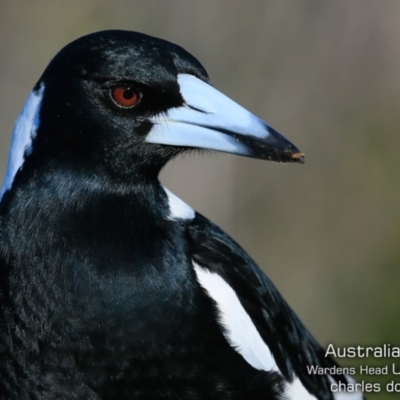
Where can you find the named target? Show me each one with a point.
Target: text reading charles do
(341, 379)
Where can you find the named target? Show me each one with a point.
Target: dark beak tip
(297, 157)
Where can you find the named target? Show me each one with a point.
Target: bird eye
(125, 96)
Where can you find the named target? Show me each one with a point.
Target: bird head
(121, 104)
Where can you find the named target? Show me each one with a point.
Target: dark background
(324, 73)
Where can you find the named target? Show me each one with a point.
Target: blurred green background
(326, 74)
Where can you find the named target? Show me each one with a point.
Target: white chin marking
(23, 135)
(178, 209)
(241, 333)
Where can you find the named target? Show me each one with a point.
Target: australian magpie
(111, 287)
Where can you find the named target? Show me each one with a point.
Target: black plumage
(99, 297)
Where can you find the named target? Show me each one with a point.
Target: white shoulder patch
(178, 208)
(239, 329)
(24, 132)
(241, 333)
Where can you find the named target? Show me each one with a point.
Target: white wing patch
(241, 333)
(23, 135)
(239, 330)
(178, 208)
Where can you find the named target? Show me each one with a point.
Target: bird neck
(79, 258)
(51, 213)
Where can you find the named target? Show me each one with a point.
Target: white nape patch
(178, 208)
(23, 135)
(241, 333)
(206, 120)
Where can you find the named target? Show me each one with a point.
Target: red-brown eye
(125, 96)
